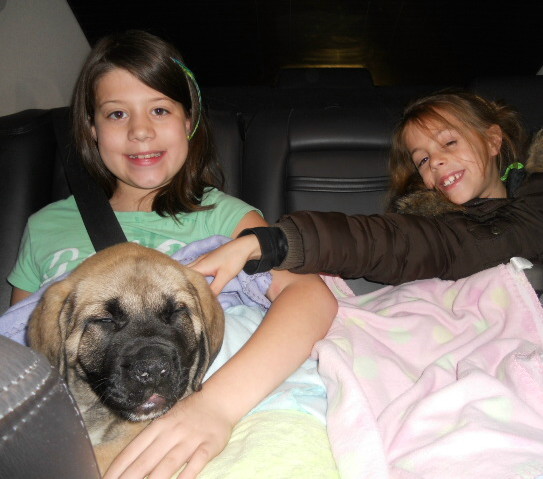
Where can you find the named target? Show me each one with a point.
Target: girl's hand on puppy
(192, 433)
(227, 261)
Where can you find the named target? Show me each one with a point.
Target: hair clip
(512, 166)
(191, 76)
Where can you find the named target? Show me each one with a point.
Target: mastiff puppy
(132, 331)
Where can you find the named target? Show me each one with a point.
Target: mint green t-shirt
(55, 239)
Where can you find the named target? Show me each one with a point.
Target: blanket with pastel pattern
(437, 379)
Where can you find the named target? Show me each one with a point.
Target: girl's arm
(18, 295)
(198, 427)
(395, 248)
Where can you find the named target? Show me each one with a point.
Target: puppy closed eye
(179, 313)
(108, 322)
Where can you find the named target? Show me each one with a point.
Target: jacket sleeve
(395, 248)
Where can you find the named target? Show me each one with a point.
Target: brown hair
(154, 62)
(475, 115)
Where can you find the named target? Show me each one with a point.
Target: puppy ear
(203, 363)
(212, 312)
(46, 328)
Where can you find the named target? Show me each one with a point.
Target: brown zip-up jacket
(427, 237)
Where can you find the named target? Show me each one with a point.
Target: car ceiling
(243, 42)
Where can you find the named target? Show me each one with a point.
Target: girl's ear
(93, 133)
(495, 137)
(188, 127)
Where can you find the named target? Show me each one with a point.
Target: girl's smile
(141, 136)
(448, 162)
(146, 159)
(451, 180)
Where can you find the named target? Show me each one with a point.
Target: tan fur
(425, 203)
(534, 163)
(142, 277)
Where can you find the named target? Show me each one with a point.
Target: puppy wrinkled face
(142, 344)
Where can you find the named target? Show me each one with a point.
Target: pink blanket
(437, 379)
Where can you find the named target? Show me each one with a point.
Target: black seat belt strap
(99, 218)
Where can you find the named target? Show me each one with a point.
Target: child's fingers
(157, 460)
(133, 459)
(218, 284)
(204, 266)
(196, 464)
(173, 462)
(197, 260)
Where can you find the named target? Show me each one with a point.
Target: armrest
(41, 430)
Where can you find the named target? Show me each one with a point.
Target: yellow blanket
(278, 444)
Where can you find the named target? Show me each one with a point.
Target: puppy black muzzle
(145, 379)
(149, 366)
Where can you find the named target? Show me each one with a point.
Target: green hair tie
(191, 77)
(512, 166)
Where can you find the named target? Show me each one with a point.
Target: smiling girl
(458, 204)
(141, 136)
(141, 132)
(453, 162)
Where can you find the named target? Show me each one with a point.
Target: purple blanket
(245, 289)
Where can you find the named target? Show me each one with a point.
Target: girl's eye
(117, 115)
(451, 143)
(160, 111)
(422, 162)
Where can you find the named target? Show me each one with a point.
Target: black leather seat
(42, 432)
(324, 159)
(331, 159)
(32, 177)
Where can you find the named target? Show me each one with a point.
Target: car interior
(313, 139)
